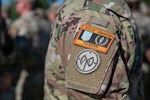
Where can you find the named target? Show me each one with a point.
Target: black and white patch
(87, 61)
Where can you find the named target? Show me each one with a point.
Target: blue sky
(5, 1)
(48, 1)
(58, 1)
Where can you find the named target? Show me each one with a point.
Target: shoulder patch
(87, 61)
(94, 38)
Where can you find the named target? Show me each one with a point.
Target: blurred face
(52, 16)
(19, 6)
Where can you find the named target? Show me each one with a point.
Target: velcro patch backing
(90, 82)
(94, 38)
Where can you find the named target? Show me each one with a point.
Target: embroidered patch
(94, 38)
(87, 61)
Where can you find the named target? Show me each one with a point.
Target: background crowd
(25, 33)
(24, 40)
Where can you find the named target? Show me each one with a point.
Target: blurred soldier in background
(143, 23)
(44, 30)
(146, 55)
(30, 36)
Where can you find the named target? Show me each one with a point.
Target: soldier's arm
(128, 43)
(53, 87)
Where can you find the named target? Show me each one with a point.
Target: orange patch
(94, 38)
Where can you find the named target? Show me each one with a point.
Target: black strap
(122, 52)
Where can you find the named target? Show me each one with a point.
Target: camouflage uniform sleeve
(55, 74)
(53, 87)
(121, 78)
(130, 44)
(128, 38)
(55, 67)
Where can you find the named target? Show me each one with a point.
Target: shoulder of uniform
(120, 7)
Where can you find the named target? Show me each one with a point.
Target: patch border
(98, 61)
(94, 30)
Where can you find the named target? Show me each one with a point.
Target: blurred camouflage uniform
(146, 46)
(145, 37)
(60, 46)
(31, 35)
(142, 22)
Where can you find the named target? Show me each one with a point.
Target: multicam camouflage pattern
(61, 45)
